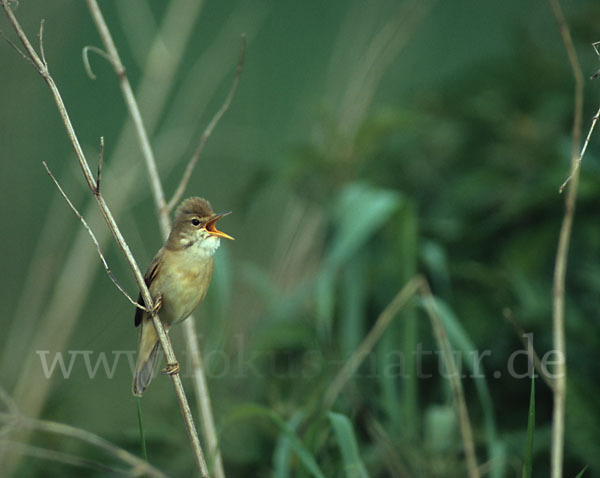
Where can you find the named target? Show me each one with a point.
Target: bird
(177, 278)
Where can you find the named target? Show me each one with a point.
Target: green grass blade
(344, 434)
(257, 411)
(528, 462)
(283, 449)
(141, 427)
(580, 474)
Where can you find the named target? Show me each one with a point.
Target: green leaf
(344, 434)
(359, 212)
(528, 462)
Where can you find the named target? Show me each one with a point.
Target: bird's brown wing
(148, 278)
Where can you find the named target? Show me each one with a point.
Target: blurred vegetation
(368, 142)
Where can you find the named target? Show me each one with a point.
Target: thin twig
(41, 36)
(579, 159)
(100, 161)
(93, 236)
(595, 47)
(533, 356)
(15, 46)
(455, 384)
(575, 165)
(86, 59)
(166, 346)
(209, 129)
(207, 421)
(362, 351)
(560, 267)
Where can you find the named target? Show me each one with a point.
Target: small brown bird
(178, 278)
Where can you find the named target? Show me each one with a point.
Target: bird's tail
(148, 353)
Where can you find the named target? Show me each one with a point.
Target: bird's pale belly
(182, 291)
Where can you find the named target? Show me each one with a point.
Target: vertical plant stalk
(163, 210)
(134, 112)
(41, 66)
(560, 266)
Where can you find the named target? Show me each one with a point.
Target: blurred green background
(368, 142)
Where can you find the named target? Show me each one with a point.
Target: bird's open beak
(212, 228)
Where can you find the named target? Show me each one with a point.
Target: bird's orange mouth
(212, 228)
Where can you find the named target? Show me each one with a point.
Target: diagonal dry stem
(455, 383)
(51, 323)
(163, 210)
(362, 351)
(42, 68)
(207, 421)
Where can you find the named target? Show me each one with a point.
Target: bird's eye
(196, 222)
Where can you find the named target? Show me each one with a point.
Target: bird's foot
(157, 304)
(171, 368)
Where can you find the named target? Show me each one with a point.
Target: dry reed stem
(560, 268)
(51, 325)
(42, 68)
(111, 50)
(163, 210)
(462, 412)
(362, 351)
